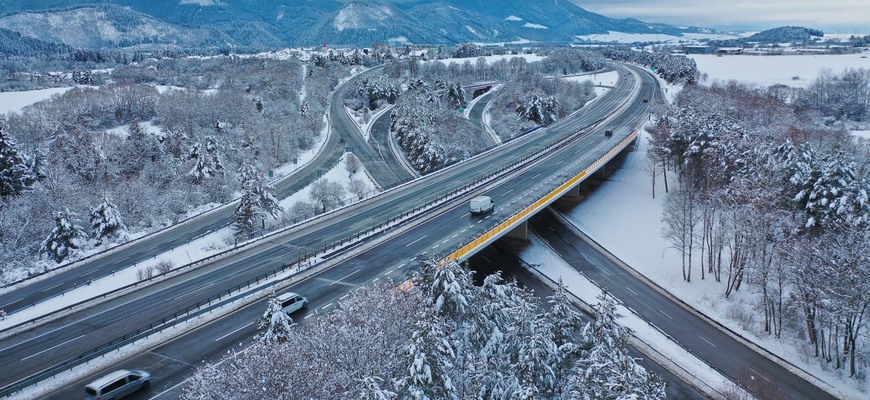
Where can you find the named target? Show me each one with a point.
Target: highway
(176, 235)
(67, 337)
(701, 338)
(502, 257)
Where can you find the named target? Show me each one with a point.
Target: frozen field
(770, 70)
(15, 101)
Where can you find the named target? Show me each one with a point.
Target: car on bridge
(481, 205)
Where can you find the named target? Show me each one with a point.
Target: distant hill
(281, 23)
(15, 44)
(783, 34)
(107, 25)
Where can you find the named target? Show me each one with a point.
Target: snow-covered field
(770, 70)
(602, 79)
(634, 235)
(622, 37)
(15, 101)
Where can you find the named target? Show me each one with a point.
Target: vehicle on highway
(608, 132)
(117, 384)
(292, 302)
(645, 100)
(481, 205)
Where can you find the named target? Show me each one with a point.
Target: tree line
(444, 339)
(771, 202)
(165, 137)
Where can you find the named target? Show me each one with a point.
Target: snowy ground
(365, 127)
(765, 71)
(15, 101)
(622, 37)
(599, 79)
(634, 235)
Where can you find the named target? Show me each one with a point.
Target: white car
(292, 302)
(481, 205)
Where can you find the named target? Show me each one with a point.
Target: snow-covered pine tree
(456, 96)
(540, 109)
(534, 350)
(566, 324)
(257, 201)
(16, 175)
(430, 357)
(65, 237)
(213, 151)
(605, 370)
(201, 169)
(207, 161)
(276, 324)
(105, 220)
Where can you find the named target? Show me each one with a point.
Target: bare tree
(358, 187)
(351, 163)
(680, 218)
(326, 194)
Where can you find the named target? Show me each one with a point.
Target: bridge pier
(521, 231)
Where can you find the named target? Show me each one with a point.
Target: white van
(117, 384)
(481, 205)
(292, 302)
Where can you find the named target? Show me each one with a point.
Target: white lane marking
(376, 280)
(756, 373)
(463, 231)
(635, 293)
(49, 288)
(51, 348)
(509, 190)
(418, 239)
(326, 306)
(444, 241)
(344, 297)
(666, 314)
(193, 291)
(342, 278)
(63, 327)
(708, 342)
(454, 236)
(391, 271)
(228, 334)
(435, 246)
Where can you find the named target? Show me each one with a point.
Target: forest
(772, 198)
(446, 338)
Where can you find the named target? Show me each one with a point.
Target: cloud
(729, 13)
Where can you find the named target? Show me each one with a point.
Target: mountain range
(283, 23)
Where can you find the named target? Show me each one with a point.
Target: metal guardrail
(538, 203)
(218, 299)
(650, 324)
(188, 312)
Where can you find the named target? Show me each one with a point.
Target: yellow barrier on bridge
(542, 202)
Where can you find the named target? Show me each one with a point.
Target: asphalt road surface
(67, 337)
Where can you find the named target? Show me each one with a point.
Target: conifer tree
(65, 237)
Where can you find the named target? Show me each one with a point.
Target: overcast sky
(832, 16)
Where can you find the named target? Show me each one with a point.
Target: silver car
(117, 384)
